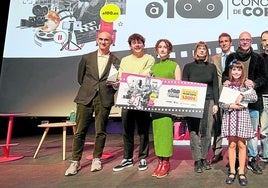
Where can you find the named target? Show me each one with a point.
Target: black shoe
(124, 164)
(216, 158)
(205, 164)
(242, 181)
(142, 165)
(230, 179)
(198, 166)
(254, 167)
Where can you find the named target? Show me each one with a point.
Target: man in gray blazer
(225, 43)
(94, 96)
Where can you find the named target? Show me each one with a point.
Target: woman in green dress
(163, 123)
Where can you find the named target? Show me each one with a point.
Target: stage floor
(47, 170)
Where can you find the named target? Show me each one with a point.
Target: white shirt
(102, 62)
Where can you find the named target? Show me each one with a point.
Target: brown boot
(157, 169)
(164, 169)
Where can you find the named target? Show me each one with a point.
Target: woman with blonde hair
(200, 129)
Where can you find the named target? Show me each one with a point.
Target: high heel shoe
(242, 181)
(230, 179)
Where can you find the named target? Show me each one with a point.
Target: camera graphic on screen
(199, 8)
(38, 19)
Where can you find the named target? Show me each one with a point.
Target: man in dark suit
(263, 154)
(94, 96)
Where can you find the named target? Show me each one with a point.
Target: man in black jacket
(264, 114)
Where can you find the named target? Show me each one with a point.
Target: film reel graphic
(45, 36)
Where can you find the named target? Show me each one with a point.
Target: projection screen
(46, 38)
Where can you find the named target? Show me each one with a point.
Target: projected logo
(199, 8)
(186, 8)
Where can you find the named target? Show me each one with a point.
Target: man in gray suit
(94, 96)
(225, 43)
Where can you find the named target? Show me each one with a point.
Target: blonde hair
(201, 43)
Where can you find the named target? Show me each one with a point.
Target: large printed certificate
(229, 96)
(161, 95)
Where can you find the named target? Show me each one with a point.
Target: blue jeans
(264, 134)
(252, 144)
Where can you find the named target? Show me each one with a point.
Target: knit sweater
(203, 72)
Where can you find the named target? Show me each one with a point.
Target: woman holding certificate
(163, 123)
(236, 123)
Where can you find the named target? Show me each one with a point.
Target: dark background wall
(3, 23)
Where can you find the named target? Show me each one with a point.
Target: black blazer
(90, 83)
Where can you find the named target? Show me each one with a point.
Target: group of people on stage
(243, 70)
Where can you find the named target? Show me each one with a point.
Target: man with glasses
(254, 66)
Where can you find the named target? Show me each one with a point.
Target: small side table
(47, 126)
(6, 146)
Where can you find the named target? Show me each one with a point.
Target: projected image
(69, 23)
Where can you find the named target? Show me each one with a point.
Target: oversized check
(161, 95)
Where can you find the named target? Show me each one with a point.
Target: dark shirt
(265, 87)
(203, 72)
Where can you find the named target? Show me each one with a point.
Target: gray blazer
(90, 83)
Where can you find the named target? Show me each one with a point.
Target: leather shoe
(242, 181)
(230, 179)
(216, 158)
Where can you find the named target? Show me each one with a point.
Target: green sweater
(133, 65)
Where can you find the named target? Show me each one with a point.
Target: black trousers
(131, 119)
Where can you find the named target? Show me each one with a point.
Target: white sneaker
(96, 165)
(73, 168)
(265, 160)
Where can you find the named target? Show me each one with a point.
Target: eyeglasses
(245, 40)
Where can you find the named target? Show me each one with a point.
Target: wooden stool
(52, 125)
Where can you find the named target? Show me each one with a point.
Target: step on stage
(47, 170)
